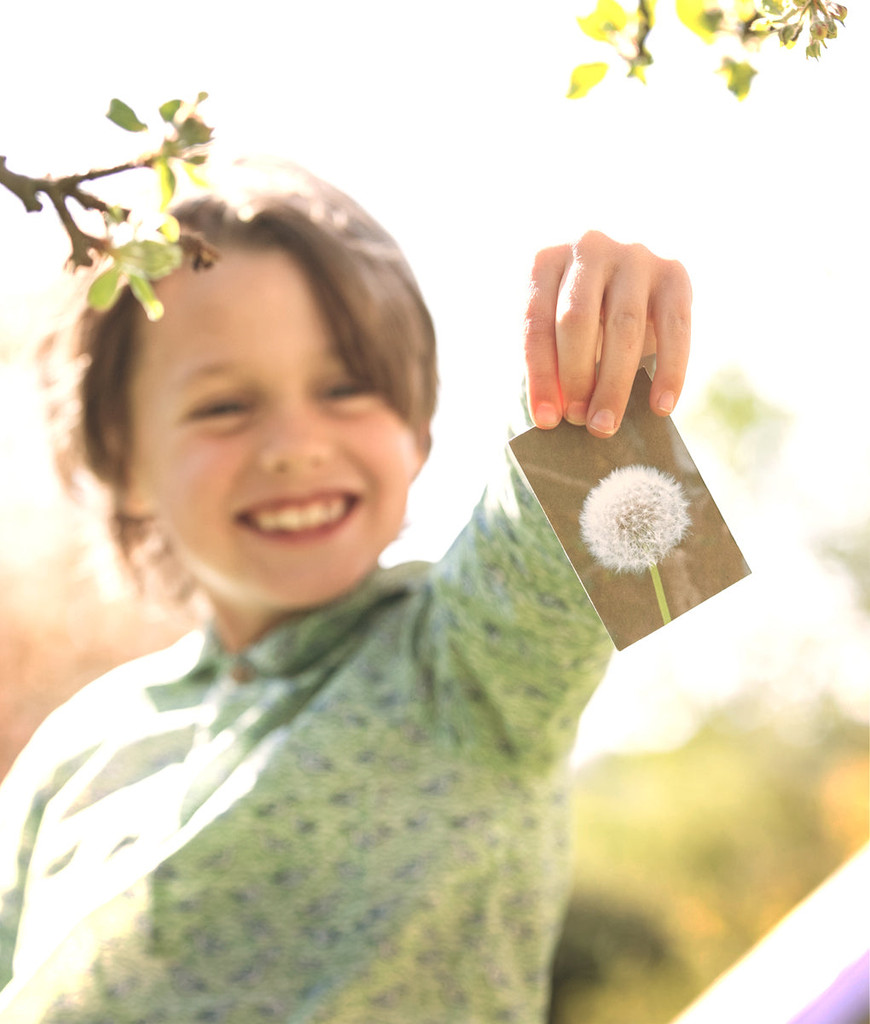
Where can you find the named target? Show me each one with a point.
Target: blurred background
(722, 767)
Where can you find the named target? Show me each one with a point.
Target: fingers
(562, 329)
(671, 321)
(578, 329)
(595, 308)
(625, 308)
(542, 368)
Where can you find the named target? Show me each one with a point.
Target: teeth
(302, 517)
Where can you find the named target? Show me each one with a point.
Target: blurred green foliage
(745, 430)
(850, 551)
(687, 858)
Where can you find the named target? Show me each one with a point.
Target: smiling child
(345, 800)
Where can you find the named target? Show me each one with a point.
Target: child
(346, 801)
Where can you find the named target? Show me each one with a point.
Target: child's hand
(599, 300)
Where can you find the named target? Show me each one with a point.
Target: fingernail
(667, 401)
(603, 421)
(576, 413)
(547, 415)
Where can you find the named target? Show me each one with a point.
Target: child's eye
(222, 408)
(348, 389)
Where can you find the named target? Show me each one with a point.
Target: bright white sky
(449, 123)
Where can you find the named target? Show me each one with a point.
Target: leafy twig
(138, 262)
(744, 22)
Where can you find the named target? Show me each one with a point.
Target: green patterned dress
(362, 819)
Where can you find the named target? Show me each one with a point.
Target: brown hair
(366, 290)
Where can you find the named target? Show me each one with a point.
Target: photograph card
(633, 516)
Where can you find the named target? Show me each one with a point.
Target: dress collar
(318, 637)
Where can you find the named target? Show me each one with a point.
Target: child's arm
(513, 646)
(599, 300)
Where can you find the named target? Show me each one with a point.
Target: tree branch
(59, 190)
(19, 185)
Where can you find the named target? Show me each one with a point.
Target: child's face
(278, 480)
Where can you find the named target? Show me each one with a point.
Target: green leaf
(148, 258)
(193, 131)
(166, 178)
(191, 168)
(607, 18)
(200, 97)
(170, 228)
(711, 21)
(584, 77)
(141, 288)
(159, 258)
(169, 109)
(105, 289)
(701, 19)
(124, 117)
(739, 76)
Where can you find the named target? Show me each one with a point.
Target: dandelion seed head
(633, 517)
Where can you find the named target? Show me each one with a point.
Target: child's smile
(277, 477)
(299, 518)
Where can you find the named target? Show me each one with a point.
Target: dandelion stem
(660, 594)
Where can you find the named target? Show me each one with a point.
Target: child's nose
(294, 441)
